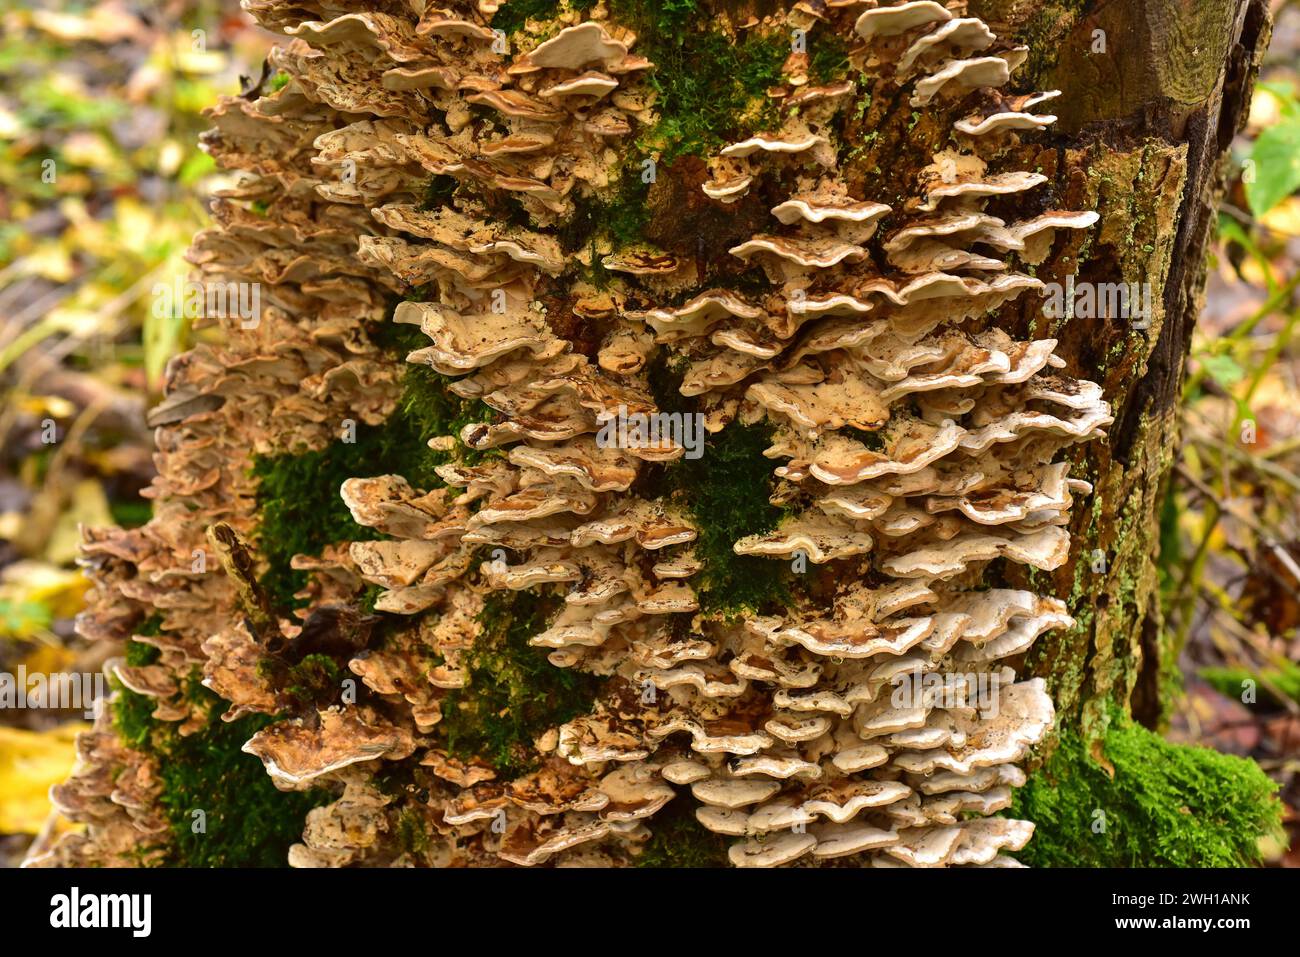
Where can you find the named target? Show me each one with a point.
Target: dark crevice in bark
(1147, 704)
(1208, 132)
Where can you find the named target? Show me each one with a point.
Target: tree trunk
(1154, 94)
(559, 235)
(1143, 137)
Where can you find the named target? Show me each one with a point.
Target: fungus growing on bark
(910, 443)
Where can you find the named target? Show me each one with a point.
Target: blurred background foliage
(102, 186)
(112, 94)
(1230, 552)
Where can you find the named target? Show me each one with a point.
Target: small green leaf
(1230, 231)
(1275, 159)
(21, 618)
(1223, 369)
(195, 167)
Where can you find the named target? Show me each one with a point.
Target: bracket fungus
(909, 442)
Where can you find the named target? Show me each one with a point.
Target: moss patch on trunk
(727, 491)
(300, 509)
(514, 694)
(1164, 805)
(679, 840)
(245, 820)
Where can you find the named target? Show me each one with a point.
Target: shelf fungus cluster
(874, 717)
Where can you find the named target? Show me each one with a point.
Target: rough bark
(1144, 132)
(1144, 128)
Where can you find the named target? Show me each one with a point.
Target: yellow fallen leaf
(50, 261)
(89, 506)
(49, 659)
(1265, 110)
(1284, 218)
(75, 320)
(170, 156)
(105, 23)
(30, 763)
(61, 590)
(11, 127)
(41, 406)
(89, 149)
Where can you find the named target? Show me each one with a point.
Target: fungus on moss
(679, 840)
(299, 508)
(244, 820)
(566, 605)
(513, 16)
(706, 82)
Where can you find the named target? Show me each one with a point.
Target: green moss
(514, 694)
(132, 712)
(412, 832)
(247, 821)
(512, 16)
(621, 217)
(367, 599)
(426, 409)
(1166, 805)
(298, 499)
(664, 374)
(667, 16)
(678, 839)
(828, 58)
(1044, 31)
(279, 81)
(132, 513)
(707, 84)
(872, 440)
(138, 653)
(132, 715)
(439, 191)
(313, 681)
(727, 491)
